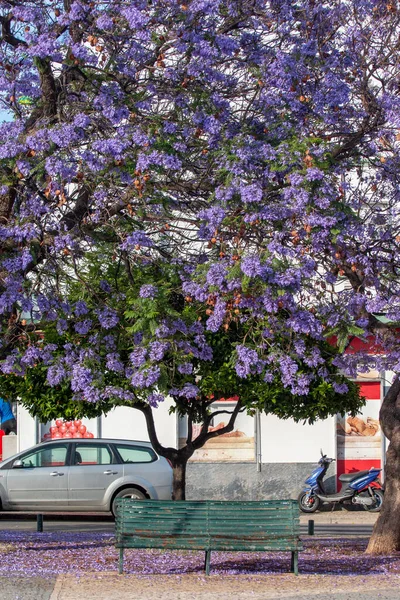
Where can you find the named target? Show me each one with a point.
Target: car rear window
(135, 454)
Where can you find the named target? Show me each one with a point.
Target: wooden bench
(208, 525)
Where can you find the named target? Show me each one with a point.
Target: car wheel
(132, 493)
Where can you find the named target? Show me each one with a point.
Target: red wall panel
(351, 466)
(370, 389)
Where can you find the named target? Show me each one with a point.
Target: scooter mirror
(322, 454)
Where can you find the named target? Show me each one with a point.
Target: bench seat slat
(242, 535)
(198, 544)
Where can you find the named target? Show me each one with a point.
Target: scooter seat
(346, 477)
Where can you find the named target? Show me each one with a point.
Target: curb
(55, 594)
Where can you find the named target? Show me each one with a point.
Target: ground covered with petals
(49, 554)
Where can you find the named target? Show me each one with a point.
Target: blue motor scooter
(361, 487)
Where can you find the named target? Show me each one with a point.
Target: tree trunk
(179, 481)
(386, 534)
(177, 458)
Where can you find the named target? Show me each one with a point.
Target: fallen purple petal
(49, 554)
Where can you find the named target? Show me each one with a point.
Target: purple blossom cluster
(147, 291)
(158, 349)
(223, 139)
(146, 378)
(107, 317)
(248, 362)
(188, 391)
(137, 238)
(114, 363)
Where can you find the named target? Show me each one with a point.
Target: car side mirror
(18, 464)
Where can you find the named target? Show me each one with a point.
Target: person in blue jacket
(8, 422)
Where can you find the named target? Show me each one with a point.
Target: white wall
(10, 446)
(26, 429)
(166, 424)
(124, 423)
(284, 441)
(128, 423)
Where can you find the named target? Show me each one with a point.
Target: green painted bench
(208, 525)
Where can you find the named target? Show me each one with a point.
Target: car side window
(50, 456)
(92, 454)
(132, 454)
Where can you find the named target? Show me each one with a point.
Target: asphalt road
(100, 524)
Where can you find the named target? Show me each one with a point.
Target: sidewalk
(110, 586)
(340, 517)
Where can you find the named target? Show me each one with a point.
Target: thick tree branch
(206, 435)
(7, 34)
(147, 411)
(47, 86)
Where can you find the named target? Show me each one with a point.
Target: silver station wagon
(83, 475)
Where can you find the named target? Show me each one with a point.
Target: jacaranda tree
(251, 145)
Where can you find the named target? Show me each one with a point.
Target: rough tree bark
(386, 534)
(179, 478)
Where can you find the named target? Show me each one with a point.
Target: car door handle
(110, 472)
(56, 474)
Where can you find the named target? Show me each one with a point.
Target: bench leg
(294, 566)
(121, 561)
(207, 562)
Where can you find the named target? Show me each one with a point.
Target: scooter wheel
(378, 495)
(308, 504)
